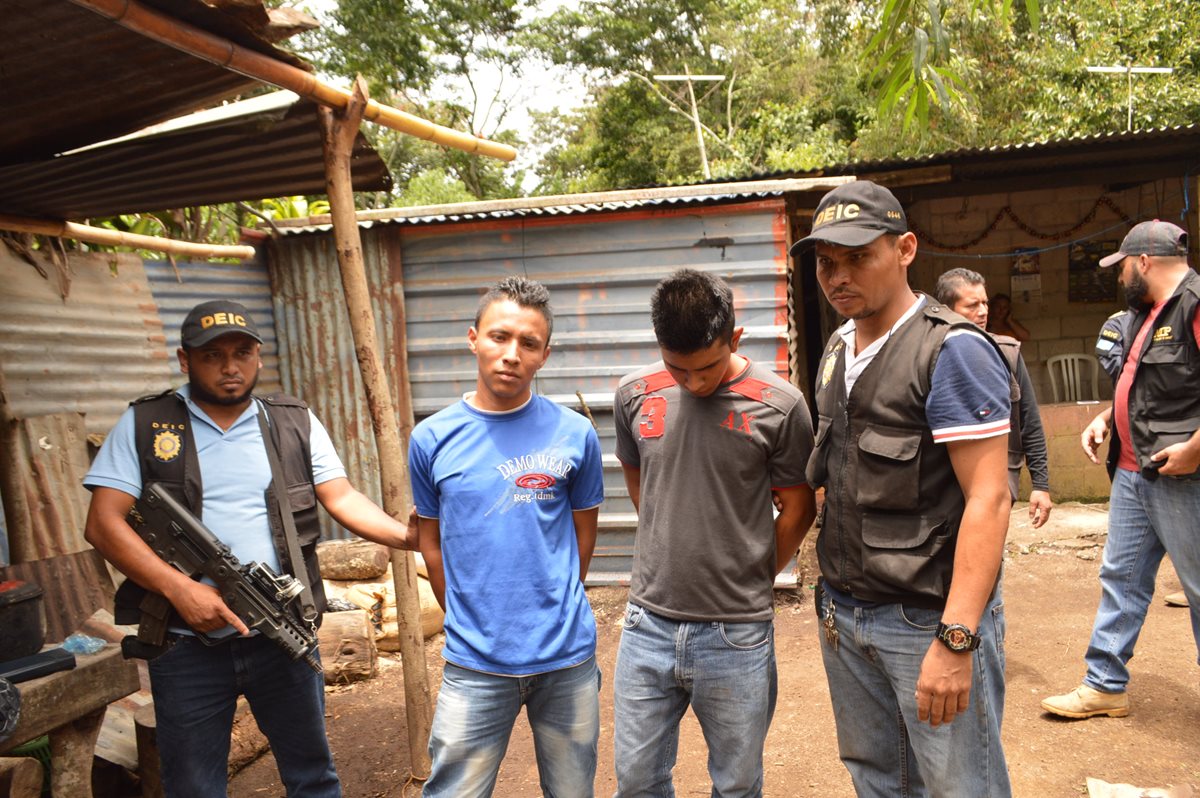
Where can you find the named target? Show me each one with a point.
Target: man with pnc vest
(207, 444)
(912, 445)
(1153, 429)
(1110, 351)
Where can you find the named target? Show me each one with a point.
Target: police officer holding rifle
(225, 455)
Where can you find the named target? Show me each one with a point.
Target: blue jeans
(726, 671)
(475, 716)
(1146, 519)
(872, 675)
(195, 690)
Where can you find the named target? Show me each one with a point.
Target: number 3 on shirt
(654, 417)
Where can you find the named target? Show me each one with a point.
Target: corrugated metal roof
(561, 210)
(272, 151)
(1082, 143)
(1163, 148)
(72, 77)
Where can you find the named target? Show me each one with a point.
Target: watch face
(956, 638)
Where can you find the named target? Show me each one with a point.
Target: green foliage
(435, 187)
(915, 63)
(292, 207)
(426, 58)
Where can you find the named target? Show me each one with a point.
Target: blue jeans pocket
(999, 625)
(745, 636)
(920, 618)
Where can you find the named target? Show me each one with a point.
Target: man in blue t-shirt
(507, 487)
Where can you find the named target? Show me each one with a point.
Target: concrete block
(1043, 329)
(1065, 346)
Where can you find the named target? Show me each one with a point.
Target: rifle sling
(307, 608)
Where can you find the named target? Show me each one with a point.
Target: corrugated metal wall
(600, 269)
(317, 361)
(111, 339)
(91, 352)
(177, 289)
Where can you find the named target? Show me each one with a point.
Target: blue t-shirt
(969, 396)
(503, 486)
(233, 469)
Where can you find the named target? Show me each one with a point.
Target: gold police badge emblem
(830, 363)
(167, 445)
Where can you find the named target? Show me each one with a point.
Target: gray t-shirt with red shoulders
(705, 546)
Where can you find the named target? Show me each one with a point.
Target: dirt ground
(1050, 592)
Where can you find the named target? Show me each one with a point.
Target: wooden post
(20, 777)
(17, 512)
(338, 131)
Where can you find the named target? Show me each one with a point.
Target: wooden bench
(69, 706)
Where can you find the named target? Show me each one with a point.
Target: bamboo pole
(115, 238)
(190, 39)
(338, 131)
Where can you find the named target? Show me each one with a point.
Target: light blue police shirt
(233, 468)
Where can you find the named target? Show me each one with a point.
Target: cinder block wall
(1057, 326)
(1073, 477)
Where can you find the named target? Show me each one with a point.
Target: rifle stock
(264, 600)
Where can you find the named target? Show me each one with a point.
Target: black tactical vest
(1010, 349)
(167, 455)
(1164, 400)
(892, 502)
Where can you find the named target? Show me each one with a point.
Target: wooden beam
(195, 41)
(338, 131)
(821, 184)
(115, 238)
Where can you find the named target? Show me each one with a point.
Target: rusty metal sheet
(91, 352)
(272, 152)
(316, 349)
(72, 77)
(46, 503)
(74, 587)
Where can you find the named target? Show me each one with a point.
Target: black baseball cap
(210, 320)
(853, 215)
(1155, 237)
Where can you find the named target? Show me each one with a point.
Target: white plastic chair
(1068, 374)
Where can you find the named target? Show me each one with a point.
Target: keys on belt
(829, 622)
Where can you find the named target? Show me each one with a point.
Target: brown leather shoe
(1084, 702)
(1177, 599)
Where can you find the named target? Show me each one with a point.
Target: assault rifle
(264, 600)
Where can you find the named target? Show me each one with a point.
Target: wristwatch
(957, 637)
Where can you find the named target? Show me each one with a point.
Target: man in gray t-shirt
(705, 437)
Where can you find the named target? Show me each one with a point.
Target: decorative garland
(1024, 226)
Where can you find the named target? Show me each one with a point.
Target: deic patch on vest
(167, 445)
(830, 363)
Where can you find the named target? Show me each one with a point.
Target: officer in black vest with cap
(912, 448)
(1153, 429)
(205, 444)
